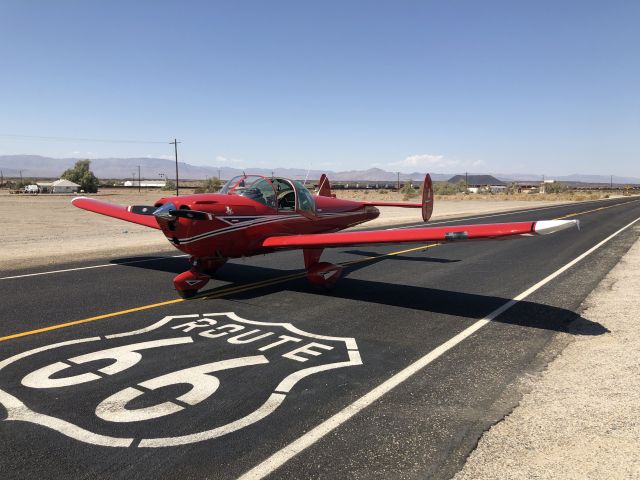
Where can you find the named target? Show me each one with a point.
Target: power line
(75, 139)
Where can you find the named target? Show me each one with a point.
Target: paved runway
(395, 373)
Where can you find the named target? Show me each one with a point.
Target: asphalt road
(324, 385)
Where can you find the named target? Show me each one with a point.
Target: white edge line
(91, 267)
(285, 454)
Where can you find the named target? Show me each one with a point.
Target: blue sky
(549, 87)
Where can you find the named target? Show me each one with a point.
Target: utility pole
(175, 144)
(138, 178)
(611, 183)
(1, 178)
(398, 181)
(466, 182)
(21, 181)
(219, 177)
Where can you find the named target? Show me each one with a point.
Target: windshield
(305, 199)
(255, 187)
(281, 193)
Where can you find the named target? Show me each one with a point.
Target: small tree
(211, 185)
(81, 175)
(169, 185)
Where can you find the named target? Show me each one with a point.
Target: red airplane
(254, 215)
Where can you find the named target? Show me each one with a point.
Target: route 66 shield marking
(181, 380)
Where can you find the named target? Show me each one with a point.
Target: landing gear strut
(188, 283)
(320, 273)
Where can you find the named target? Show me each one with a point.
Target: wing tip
(545, 227)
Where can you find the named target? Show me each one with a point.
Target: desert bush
(211, 185)
(446, 188)
(557, 187)
(169, 185)
(408, 192)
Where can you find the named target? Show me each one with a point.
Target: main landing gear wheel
(319, 273)
(188, 283)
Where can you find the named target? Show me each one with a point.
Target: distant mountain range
(35, 166)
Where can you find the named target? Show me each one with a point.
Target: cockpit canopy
(278, 193)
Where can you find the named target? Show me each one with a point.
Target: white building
(146, 183)
(59, 186)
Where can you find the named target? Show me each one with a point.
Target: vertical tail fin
(324, 187)
(427, 198)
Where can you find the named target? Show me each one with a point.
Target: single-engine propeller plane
(254, 215)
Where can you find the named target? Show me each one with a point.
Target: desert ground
(48, 230)
(580, 418)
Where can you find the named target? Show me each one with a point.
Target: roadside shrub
(408, 192)
(211, 185)
(445, 188)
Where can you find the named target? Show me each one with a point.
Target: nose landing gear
(188, 283)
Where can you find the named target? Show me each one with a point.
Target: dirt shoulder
(46, 230)
(581, 418)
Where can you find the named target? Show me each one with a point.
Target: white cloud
(427, 162)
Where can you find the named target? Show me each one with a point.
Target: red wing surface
(117, 211)
(427, 234)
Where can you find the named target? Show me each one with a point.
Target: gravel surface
(581, 418)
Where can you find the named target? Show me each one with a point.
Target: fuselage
(238, 225)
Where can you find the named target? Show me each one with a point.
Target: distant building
(146, 183)
(480, 183)
(528, 187)
(476, 180)
(59, 186)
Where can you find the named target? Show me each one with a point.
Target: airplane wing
(118, 211)
(426, 234)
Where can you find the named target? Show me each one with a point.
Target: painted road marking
(597, 209)
(282, 456)
(282, 354)
(218, 294)
(91, 267)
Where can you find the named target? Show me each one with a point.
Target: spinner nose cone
(544, 227)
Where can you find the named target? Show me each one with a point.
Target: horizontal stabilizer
(426, 204)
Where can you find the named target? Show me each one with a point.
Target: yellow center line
(596, 209)
(221, 293)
